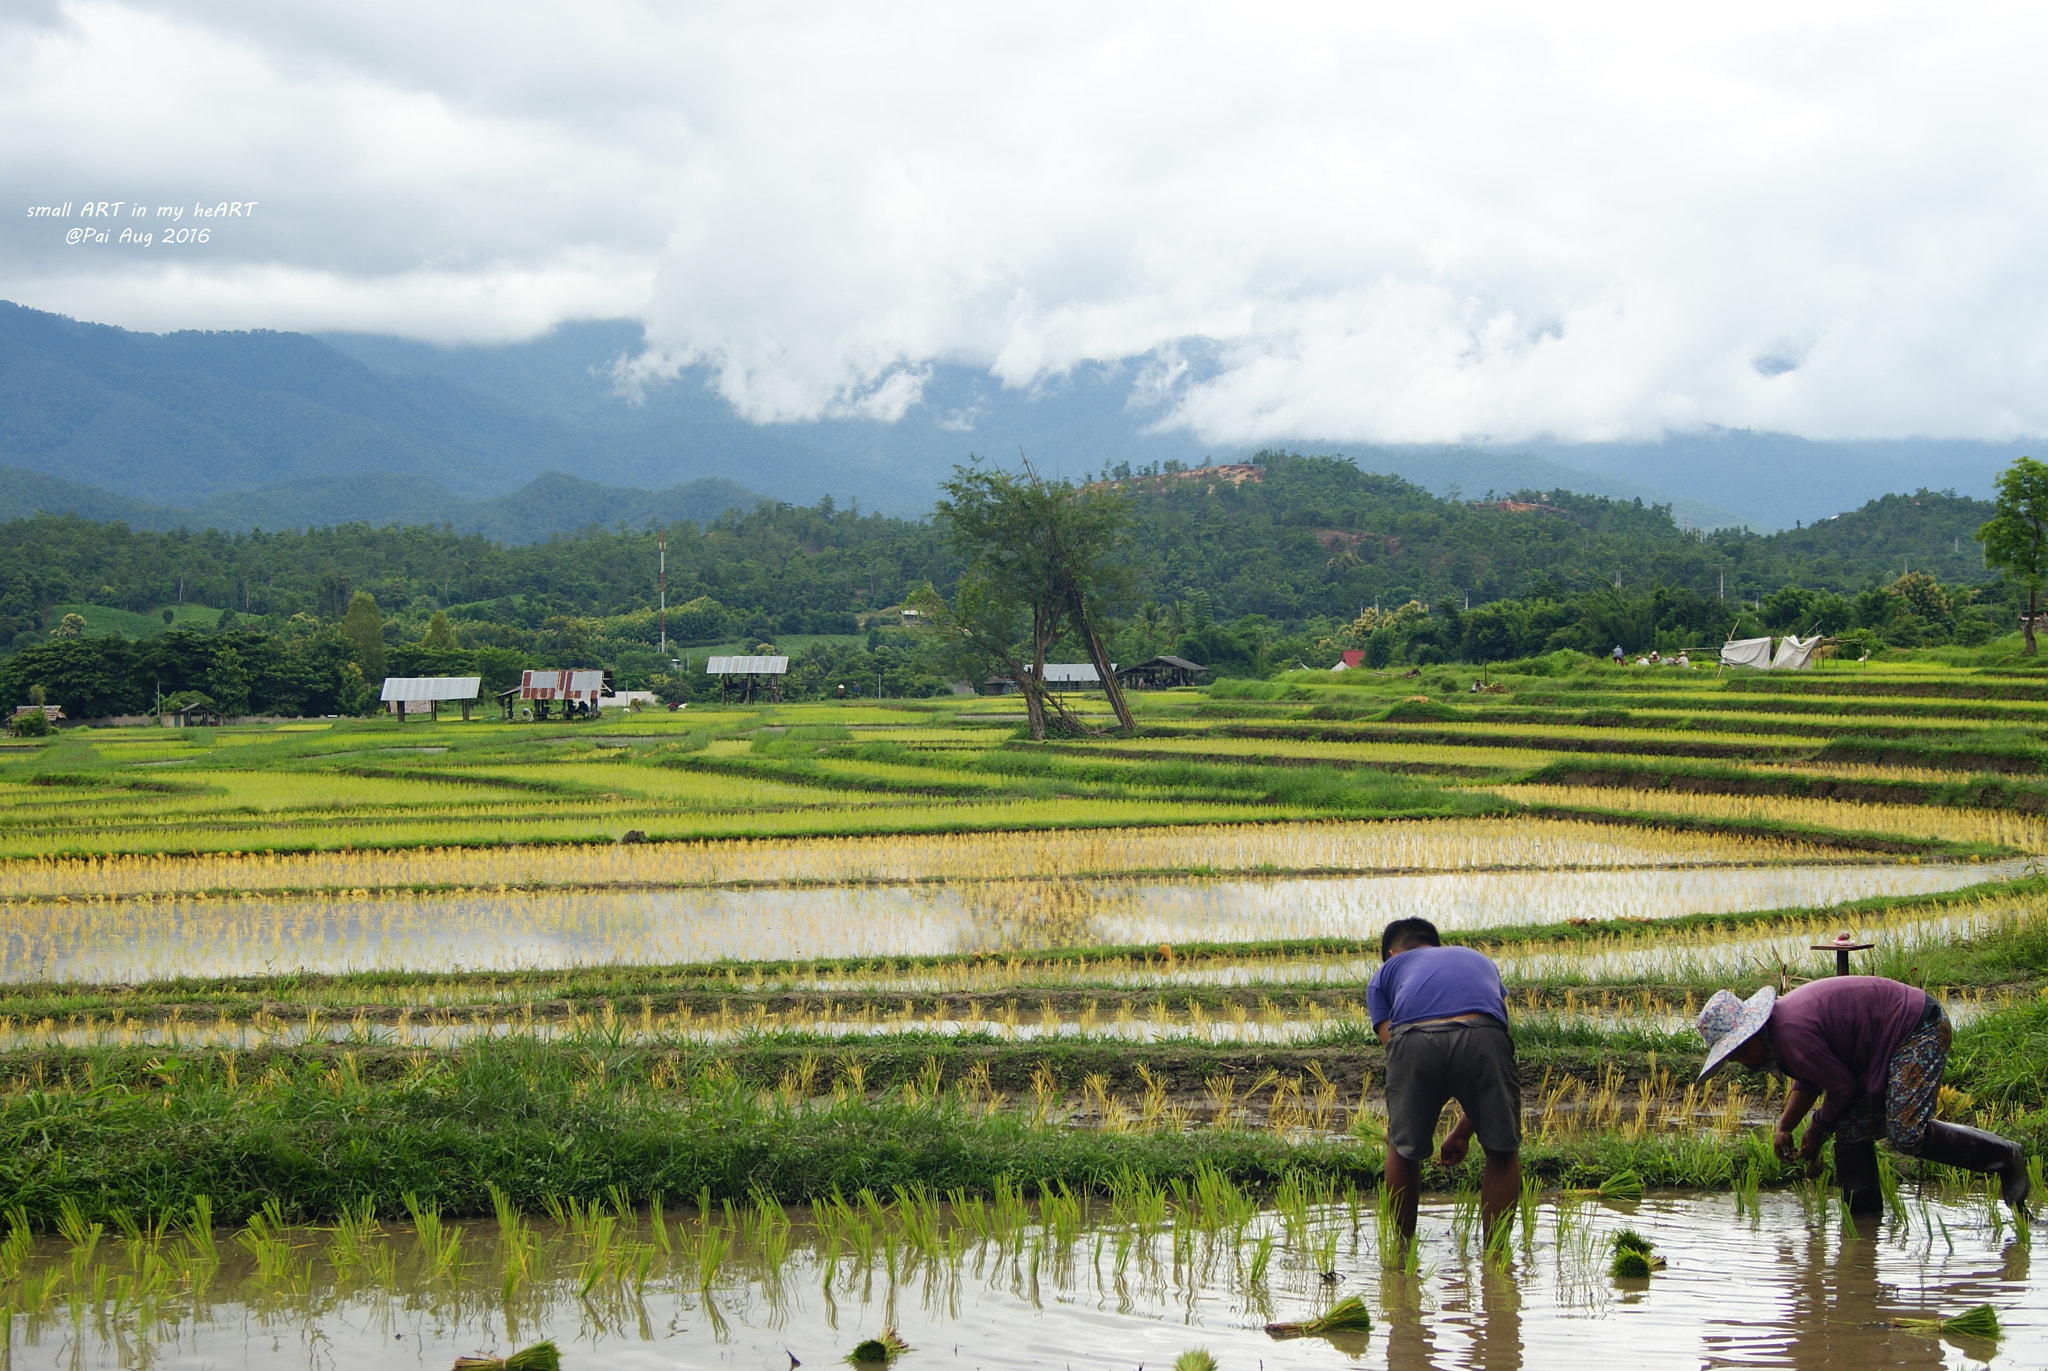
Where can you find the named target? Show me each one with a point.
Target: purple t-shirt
(1435, 983)
(1837, 1035)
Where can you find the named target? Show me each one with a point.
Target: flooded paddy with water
(1773, 1280)
(147, 938)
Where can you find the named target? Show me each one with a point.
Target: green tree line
(1284, 561)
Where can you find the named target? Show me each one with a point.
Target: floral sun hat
(1727, 1023)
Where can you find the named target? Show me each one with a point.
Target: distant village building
(1060, 678)
(51, 712)
(405, 695)
(580, 693)
(198, 714)
(1159, 673)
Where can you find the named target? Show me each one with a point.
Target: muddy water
(1781, 1285)
(145, 940)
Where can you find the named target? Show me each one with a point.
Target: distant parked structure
(581, 694)
(1060, 678)
(748, 678)
(405, 695)
(1157, 673)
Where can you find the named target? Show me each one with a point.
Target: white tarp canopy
(427, 688)
(1795, 653)
(747, 666)
(1754, 652)
(1073, 673)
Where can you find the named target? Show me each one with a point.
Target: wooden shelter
(195, 715)
(579, 692)
(748, 678)
(1158, 673)
(1060, 678)
(405, 695)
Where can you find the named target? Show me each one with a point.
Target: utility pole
(661, 541)
(1724, 585)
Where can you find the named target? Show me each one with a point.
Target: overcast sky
(1407, 223)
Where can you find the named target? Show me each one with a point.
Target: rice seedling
(440, 1245)
(1262, 1258)
(1195, 1359)
(349, 1238)
(1348, 1315)
(712, 1247)
(1980, 1323)
(265, 1240)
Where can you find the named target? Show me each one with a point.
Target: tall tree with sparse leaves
(1042, 557)
(2016, 537)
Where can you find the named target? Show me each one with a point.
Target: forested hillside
(1250, 567)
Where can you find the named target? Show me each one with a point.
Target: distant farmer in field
(1871, 1051)
(1443, 1015)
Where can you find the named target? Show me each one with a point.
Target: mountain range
(519, 441)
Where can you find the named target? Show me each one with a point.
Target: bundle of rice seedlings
(1194, 1359)
(1630, 1266)
(1622, 1185)
(1347, 1315)
(1981, 1322)
(542, 1356)
(1635, 1256)
(882, 1348)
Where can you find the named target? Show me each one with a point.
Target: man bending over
(1443, 1014)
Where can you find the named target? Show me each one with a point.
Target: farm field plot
(2002, 827)
(592, 1031)
(1151, 1273)
(1327, 846)
(152, 939)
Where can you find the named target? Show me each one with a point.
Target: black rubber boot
(1856, 1173)
(1973, 1149)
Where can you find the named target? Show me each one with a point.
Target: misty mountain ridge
(300, 429)
(552, 503)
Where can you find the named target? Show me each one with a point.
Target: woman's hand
(1781, 1143)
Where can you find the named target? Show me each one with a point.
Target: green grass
(102, 621)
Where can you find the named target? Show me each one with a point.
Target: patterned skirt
(1900, 1114)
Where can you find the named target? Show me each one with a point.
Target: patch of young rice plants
(2004, 828)
(1253, 749)
(1071, 850)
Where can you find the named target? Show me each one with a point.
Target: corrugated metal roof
(1073, 673)
(561, 685)
(1165, 659)
(747, 666)
(430, 688)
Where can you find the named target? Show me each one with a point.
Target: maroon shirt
(1838, 1035)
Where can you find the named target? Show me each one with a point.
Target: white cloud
(1400, 224)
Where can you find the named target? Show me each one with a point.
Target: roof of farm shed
(430, 688)
(746, 666)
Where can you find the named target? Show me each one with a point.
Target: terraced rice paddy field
(1037, 1050)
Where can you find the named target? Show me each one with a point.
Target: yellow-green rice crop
(1998, 826)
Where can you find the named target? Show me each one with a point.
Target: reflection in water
(1092, 1284)
(148, 939)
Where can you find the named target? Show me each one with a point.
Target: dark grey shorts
(1471, 1061)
